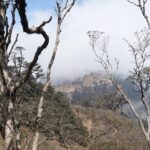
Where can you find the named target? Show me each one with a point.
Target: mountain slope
(111, 131)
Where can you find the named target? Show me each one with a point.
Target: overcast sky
(117, 18)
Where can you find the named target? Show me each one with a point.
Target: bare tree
(9, 124)
(62, 9)
(141, 56)
(140, 74)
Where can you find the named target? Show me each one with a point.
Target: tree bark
(35, 141)
(9, 128)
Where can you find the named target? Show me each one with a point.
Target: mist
(118, 19)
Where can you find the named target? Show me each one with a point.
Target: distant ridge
(89, 80)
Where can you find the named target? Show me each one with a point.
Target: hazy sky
(117, 18)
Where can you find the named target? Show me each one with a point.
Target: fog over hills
(94, 86)
(91, 80)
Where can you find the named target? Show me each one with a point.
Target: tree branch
(21, 7)
(142, 6)
(11, 49)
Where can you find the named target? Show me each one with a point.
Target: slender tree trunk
(39, 115)
(9, 135)
(148, 129)
(35, 141)
(12, 132)
(18, 137)
(9, 128)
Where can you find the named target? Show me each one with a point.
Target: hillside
(107, 130)
(77, 127)
(94, 87)
(110, 131)
(89, 80)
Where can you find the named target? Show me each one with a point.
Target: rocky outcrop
(89, 80)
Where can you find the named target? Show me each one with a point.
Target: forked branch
(141, 4)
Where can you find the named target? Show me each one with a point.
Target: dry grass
(110, 130)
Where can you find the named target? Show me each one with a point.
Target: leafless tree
(9, 124)
(141, 56)
(62, 9)
(140, 74)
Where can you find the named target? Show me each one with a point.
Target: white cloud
(116, 18)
